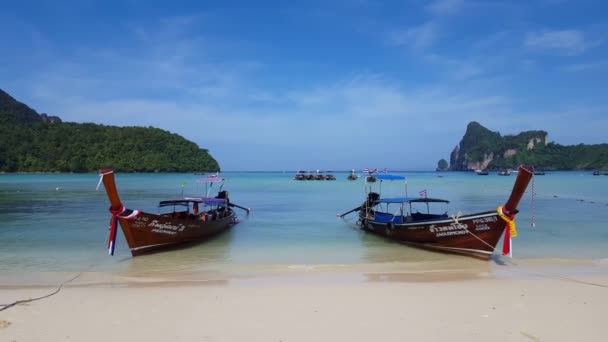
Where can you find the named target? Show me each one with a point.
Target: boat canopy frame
(402, 201)
(210, 181)
(380, 178)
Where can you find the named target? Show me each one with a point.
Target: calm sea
(59, 222)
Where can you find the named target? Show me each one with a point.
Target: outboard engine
(369, 202)
(222, 194)
(371, 198)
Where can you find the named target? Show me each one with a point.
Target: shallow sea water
(57, 223)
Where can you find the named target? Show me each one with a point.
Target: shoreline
(314, 307)
(445, 270)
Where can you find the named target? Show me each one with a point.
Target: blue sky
(316, 84)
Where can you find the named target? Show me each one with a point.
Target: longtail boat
(352, 176)
(474, 235)
(186, 220)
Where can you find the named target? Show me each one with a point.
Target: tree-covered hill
(482, 149)
(30, 142)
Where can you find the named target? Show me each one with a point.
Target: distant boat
(482, 172)
(504, 172)
(330, 176)
(352, 176)
(474, 235)
(185, 220)
(539, 173)
(300, 175)
(600, 173)
(309, 176)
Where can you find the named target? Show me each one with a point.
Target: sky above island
(331, 85)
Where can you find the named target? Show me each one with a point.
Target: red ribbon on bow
(113, 226)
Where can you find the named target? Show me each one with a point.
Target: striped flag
(422, 193)
(385, 170)
(366, 170)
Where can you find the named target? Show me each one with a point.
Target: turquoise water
(58, 222)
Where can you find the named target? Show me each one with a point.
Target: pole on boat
(107, 176)
(238, 206)
(348, 212)
(524, 175)
(116, 207)
(508, 211)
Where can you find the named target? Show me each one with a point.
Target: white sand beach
(313, 306)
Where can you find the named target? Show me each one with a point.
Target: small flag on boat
(422, 193)
(385, 170)
(375, 170)
(183, 184)
(366, 170)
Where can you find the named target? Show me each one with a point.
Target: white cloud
(185, 83)
(417, 38)
(569, 42)
(335, 118)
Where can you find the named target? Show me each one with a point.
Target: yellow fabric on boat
(510, 222)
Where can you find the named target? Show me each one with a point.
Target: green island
(482, 149)
(32, 142)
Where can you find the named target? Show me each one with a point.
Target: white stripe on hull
(464, 250)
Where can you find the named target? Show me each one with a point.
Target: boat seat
(382, 217)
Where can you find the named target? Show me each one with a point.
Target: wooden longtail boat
(188, 220)
(352, 176)
(474, 235)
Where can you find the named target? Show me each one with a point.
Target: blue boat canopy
(389, 177)
(410, 200)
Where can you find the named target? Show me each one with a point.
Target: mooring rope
(6, 306)
(475, 236)
(456, 217)
(551, 276)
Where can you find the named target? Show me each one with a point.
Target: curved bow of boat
(524, 175)
(107, 177)
(509, 210)
(116, 207)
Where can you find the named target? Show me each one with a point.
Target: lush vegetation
(442, 165)
(480, 144)
(558, 157)
(30, 143)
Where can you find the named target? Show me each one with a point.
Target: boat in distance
(185, 220)
(475, 235)
(352, 175)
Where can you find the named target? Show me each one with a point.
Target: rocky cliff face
(482, 149)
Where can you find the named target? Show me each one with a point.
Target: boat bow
(508, 211)
(116, 207)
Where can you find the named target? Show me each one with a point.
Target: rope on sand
(22, 301)
(552, 276)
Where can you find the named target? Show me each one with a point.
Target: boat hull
(474, 235)
(146, 233)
